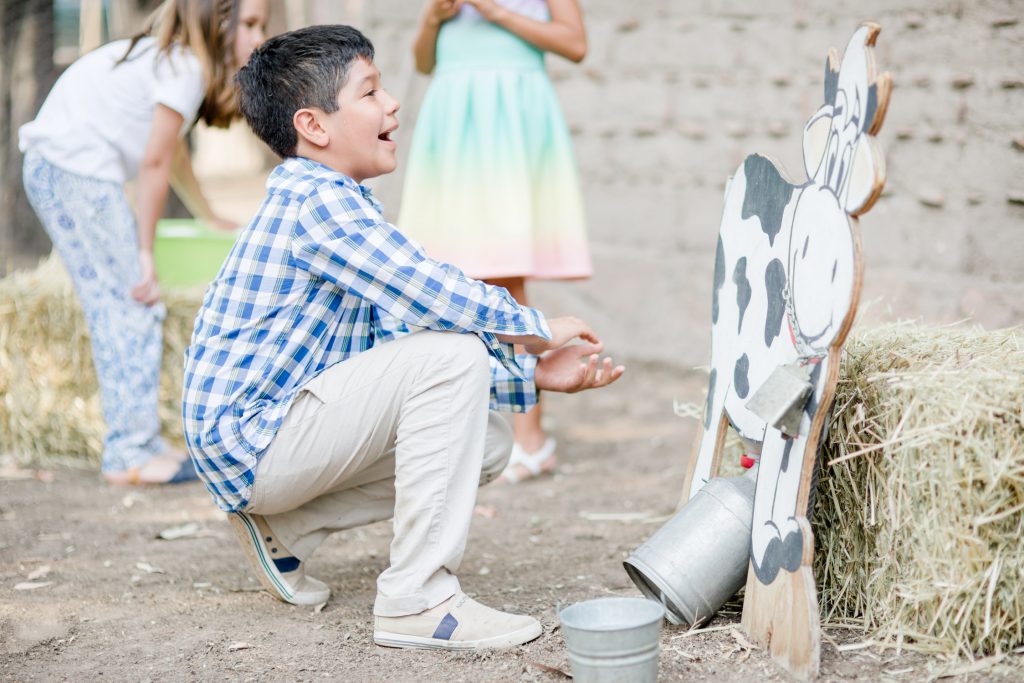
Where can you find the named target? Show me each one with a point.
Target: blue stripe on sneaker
(287, 564)
(447, 627)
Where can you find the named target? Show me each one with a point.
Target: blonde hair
(207, 29)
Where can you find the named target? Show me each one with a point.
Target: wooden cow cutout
(787, 282)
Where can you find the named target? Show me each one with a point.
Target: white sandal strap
(511, 473)
(531, 461)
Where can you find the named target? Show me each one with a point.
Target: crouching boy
(337, 376)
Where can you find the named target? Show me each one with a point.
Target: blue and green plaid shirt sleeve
(509, 393)
(341, 237)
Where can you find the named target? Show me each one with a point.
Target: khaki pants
(400, 430)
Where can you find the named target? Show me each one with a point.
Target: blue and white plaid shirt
(316, 277)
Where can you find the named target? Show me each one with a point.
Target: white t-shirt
(96, 120)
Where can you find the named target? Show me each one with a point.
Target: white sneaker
(281, 573)
(458, 623)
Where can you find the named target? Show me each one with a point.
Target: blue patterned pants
(93, 229)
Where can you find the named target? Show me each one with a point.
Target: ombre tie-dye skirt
(491, 184)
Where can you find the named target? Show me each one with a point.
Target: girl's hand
(563, 331)
(424, 45)
(488, 9)
(564, 369)
(563, 34)
(147, 290)
(443, 10)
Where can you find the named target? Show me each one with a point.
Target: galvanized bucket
(613, 640)
(698, 559)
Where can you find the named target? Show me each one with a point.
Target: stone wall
(673, 95)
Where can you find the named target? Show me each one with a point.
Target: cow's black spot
(785, 455)
(812, 402)
(740, 382)
(831, 166)
(743, 291)
(780, 554)
(766, 195)
(775, 284)
(831, 82)
(792, 551)
(719, 279)
(855, 117)
(871, 107)
(711, 398)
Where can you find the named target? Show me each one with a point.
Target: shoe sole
(523, 635)
(264, 567)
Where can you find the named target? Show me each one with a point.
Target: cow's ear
(866, 177)
(877, 104)
(816, 134)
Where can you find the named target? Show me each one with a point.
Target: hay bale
(920, 503)
(50, 405)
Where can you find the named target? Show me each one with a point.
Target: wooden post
(126, 17)
(26, 74)
(90, 25)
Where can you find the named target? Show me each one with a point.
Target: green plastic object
(187, 253)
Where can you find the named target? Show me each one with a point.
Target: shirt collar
(296, 168)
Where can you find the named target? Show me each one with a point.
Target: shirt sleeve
(510, 393)
(179, 84)
(341, 238)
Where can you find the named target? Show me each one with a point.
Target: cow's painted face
(839, 151)
(821, 269)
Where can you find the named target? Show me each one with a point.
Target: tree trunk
(26, 73)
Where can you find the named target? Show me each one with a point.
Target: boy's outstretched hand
(563, 330)
(566, 368)
(566, 371)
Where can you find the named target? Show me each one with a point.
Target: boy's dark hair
(303, 68)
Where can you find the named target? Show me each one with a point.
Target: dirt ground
(112, 601)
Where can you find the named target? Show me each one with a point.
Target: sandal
(186, 472)
(531, 462)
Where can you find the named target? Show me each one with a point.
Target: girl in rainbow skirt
(491, 183)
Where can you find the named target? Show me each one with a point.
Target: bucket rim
(657, 614)
(673, 611)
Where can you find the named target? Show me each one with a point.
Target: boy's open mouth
(386, 135)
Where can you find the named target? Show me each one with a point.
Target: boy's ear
(307, 125)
